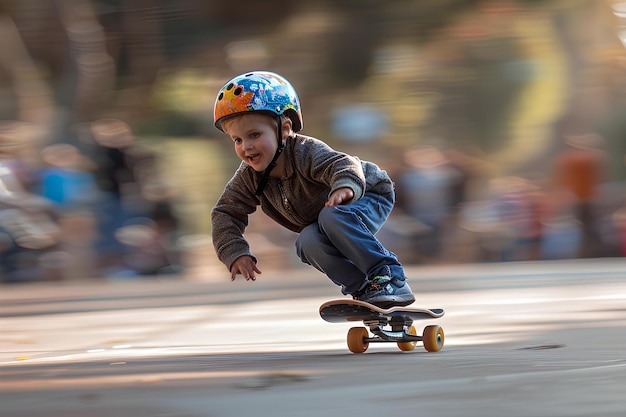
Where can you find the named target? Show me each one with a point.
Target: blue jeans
(342, 244)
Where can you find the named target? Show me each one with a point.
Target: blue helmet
(257, 91)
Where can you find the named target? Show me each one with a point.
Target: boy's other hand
(339, 196)
(245, 266)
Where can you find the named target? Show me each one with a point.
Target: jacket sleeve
(229, 219)
(334, 168)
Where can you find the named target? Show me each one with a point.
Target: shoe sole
(391, 303)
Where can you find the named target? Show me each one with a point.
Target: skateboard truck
(405, 335)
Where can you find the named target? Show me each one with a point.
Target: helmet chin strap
(281, 145)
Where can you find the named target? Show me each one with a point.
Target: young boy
(335, 202)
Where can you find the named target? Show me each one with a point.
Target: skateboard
(386, 325)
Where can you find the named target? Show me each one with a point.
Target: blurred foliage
(510, 77)
(500, 82)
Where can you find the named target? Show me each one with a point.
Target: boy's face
(254, 136)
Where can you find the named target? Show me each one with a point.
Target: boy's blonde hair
(235, 120)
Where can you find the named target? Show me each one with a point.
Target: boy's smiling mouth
(253, 158)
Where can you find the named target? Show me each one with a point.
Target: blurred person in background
(135, 213)
(151, 235)
(29, 232)
(579, 170)
(507, 223)
(426, 189)
(520, 210)
(107, 143)
(335, 202)
(67, 180)
(619, 219)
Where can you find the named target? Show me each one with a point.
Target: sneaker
(385, 292)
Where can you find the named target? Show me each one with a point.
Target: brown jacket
(313, 171)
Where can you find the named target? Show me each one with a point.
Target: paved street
(522, 339)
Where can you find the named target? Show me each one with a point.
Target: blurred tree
(88, 59)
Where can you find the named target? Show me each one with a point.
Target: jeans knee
(329, 217)
(307, 240)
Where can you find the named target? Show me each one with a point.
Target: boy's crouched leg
(314, 248)
(351, 229)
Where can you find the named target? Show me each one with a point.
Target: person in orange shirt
(579, 171)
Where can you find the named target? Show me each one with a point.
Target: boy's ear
(287, 127)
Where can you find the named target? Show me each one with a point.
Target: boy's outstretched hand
(339, 196)
(245, 266)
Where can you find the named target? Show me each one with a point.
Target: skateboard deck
(387, 325)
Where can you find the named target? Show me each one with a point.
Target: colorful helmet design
(257, 91)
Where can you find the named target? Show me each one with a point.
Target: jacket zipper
(283, 197)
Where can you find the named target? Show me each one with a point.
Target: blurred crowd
(95, 206)
(498, 82)
(451, 208)
(98, 206)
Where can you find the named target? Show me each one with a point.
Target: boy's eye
(237, 140)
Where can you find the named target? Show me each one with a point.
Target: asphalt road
(522, 339)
